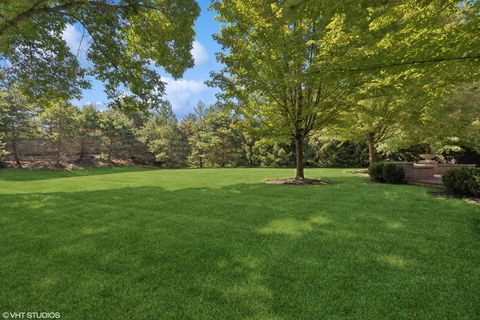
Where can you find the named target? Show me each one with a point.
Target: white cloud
(73, 38)
(199, 53)
(184, 94)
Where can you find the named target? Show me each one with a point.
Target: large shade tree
(449, 123)
(306, 57)
(126, 38)
(277, 56)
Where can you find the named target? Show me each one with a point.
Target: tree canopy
(305, 59)
(126, 39)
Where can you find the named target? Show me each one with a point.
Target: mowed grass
(129, 243)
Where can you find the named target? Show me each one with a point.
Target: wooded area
(296, 78)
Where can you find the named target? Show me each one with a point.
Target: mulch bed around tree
(297, 182)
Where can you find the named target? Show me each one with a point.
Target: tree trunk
(250, 157)
(59, 153)
(82, 153)
(299, 159)
(15, 153)
(372, 151)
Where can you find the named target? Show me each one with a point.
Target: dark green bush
(393, 173)
(386, 172)
(375, 171)
(462, 181)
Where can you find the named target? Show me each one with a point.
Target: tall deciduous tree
(374, 117)
(446, 123)
(125, 38)
(304, 57)
(277, 56)
(464, 108)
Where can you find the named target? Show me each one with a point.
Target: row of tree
(220, 136)
(383, 68)
(210, 136)
(384, 72)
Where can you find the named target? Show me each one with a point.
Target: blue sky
(183, 93)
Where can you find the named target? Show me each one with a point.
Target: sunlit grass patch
(221, 244)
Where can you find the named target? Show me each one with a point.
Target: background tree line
(211, 136)
(327, 77)
(218, 136)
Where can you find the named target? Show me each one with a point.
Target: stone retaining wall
(417, 172)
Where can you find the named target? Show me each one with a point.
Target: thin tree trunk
(372, 151)
(15, 153)
(82, 152)
(250, 160)
(299, 159)
(59, 152)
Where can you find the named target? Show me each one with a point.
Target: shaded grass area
(219, 244)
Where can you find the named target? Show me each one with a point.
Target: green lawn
(128, 243)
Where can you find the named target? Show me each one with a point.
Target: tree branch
(407, 63)
(34, 10)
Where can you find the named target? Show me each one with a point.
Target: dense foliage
(360, 65)
(3, 152)
(462, 181)
(211, 136)
(302, 82)
(386, 172)
(121, 41)
(375, 171)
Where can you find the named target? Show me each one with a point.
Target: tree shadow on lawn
(15, 174)
(241, 251)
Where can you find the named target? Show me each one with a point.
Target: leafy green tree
(186, 127)
(305, 57)
(374, 121)
(221, 136)
(88, 130)
(117, 132)
(282, 58)
(193, 127)
(17, 120)
(408, 33)
(443, 124)
(125, 38)
(3, 151)
(326, 152)
(61, 128)
(213, 136)
(271, 154)
(253, 133)
(164, 138)
(461, 115)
